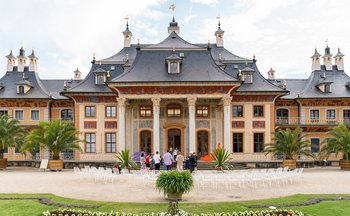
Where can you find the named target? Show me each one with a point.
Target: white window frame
(15, 114)
(31, 117)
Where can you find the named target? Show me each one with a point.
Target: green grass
(33, 207)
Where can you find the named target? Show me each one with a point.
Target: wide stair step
(205, 165)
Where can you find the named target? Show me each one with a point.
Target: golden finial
(93, 56)
(173, 49)
(100, 63)
(254, 56)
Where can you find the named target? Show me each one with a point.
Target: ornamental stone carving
(191, 101)
(226, 101)
(202, 124)
(156, 101)
(145, 124)
(121, 101)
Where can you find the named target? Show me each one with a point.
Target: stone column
(227, 123)
(156, 110)
(121, 123)
(192, 123)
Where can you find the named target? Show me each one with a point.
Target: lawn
(33, 207)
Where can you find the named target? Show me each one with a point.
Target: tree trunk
(1, 153)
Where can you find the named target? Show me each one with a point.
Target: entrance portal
(146, 141)
(174, 139)
(202, 143)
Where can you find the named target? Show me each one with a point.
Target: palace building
(177, 94)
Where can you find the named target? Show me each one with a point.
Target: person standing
(175, 152)
(180, 161)
(148, 161)
(168, 160)
(143, 161)
(156, 159)
(192, 162)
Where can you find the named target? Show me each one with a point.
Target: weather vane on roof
(326, 42)
(172, 7)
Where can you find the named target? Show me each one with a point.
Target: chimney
(33, 62)
(219, 34)
(22, 60)
(339, 60)
(316, 63)
(327, 59)
(77, 74)
(11, 61)
(271, 74)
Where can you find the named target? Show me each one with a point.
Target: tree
(11, 134)
(57, 136)
(338, 143)
(289, 143)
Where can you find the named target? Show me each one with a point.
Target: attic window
(100, 79)
(20, 89)
(112, 67)
(247, 77)
(328, 88)
(173, 67)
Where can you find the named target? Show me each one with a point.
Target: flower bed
(72, 212)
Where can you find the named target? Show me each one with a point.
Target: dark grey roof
(294, 86)
(10, 56)
(173, 41)
(32, 56)
(55, 87)
(196, 66)
(339, 53)
(88, 84)
(121, 56)
(9, 80)
(259, 84)
(316, 54)
(225, 55)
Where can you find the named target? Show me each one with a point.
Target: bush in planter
(174, 183)
(338, 143)
(221, 158)
(56, 136)
(11, 134)
(124, 158)
(290, 144)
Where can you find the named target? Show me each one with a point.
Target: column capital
(191, 101)
(156, 101)
(226, 101)
(121, 101)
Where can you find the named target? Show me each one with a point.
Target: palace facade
(177, 94)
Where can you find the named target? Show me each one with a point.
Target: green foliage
(290, 144)
(221, 158)
(125, 160)
(56, 135)
(338, 143)
(174, 182)
(11, 134)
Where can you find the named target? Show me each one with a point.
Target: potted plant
(56, 136)
(11, 135)
(339, 142)
(290, 144)
(124, 158)
(221, 159)
(174, 184)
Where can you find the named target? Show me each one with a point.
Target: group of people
(172, 159)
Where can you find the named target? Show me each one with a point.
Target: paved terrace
(325, 180)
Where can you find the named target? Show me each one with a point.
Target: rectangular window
(258, 111)
(258, 142)
(145, 111)
(110, 142)
(6, 150)
(100, 79)
(237, 111)
(174, 110)
(90, 111)
(238, 142)
(3, 112)
(90, 145)
(330, 114)
(346, 116)
(202, 111)
(34, 115)
(19, 115)
(314, 115)
(16, 150)
(315, 145)
(110, 111)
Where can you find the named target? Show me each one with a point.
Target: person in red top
(148, 161)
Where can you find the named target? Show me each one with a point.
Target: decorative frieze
(90, 125)
(145, 124)
(258, 124)
(24, 103)
(253, 98)
(111, 124)
(237, 124)
(94, 99)
(203, 124)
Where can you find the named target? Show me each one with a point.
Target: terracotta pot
(291, 164)
(3, 163)
(344, 164)
(174, 196)
(56, 165)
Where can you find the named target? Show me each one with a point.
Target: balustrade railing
(300, 121)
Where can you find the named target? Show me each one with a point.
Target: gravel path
(325, 180)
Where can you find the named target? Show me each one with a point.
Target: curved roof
(173, 41)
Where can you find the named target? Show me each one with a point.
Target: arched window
(282, 116)
(67, 114)
(174, 110)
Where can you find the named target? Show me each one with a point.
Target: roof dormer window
(100, 76)
(247, 74)
(328, 88)
(173, 62)
(20, 89)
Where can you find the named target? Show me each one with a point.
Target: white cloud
(205, 2)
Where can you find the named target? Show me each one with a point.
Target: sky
(281, 34)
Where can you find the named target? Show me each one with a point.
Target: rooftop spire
(219, 34)
(173, 27)
(127, 34)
